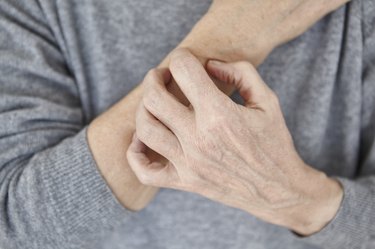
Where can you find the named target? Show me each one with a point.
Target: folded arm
(224, 33)
(48, 163)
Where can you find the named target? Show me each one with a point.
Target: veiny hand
(231, 30)
(241, 156)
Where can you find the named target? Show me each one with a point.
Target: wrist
(320, 208)
(217, 45)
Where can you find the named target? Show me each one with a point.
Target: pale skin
(224, 33)
(241, 156)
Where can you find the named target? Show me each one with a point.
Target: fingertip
(218, 69)
(215, 63)
(136, 155)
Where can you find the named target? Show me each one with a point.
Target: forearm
(110, 134)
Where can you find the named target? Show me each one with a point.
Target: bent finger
(148, 172)
(164, 106)
(193, 80)
(245, 78)
(156, 136)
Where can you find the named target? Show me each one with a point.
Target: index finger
(192, 78)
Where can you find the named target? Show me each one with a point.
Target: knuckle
(216, 124)
(172, 149)
(151, 98)
(210, 139)
(144, 130)
(144, 178)
(152, 76)
(206, 145)
(274, 98)
(213, 108)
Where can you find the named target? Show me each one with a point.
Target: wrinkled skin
(241, 156)
(230, 31)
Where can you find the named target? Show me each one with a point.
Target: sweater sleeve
(50, 187)
(354, 224)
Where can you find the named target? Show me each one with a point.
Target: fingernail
(216, 62)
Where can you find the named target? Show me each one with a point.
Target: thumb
(244, 77)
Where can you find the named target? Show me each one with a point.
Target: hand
(250, 29)
(241, 156)
(223, 33)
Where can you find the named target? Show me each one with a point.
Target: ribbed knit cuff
(353, 224)
(79, 196)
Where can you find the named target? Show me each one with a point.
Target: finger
(147, 172)
(163, 105)
(193, 79)
(156, 136)
(245, 78)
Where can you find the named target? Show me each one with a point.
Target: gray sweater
(63, 62)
